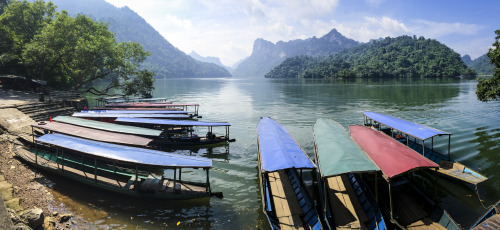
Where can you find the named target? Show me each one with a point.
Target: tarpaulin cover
(108, 126)
(135, 111)
(124, 153)
(145, 115)
(169, 122)
(392, 157)
(337, 153)
(93, 134)
(419, 131)
(145, 104)
(278, 150)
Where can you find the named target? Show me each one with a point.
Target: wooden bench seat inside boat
(286, 205)
(347, 211)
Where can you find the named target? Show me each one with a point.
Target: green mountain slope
(165, 60)
(482, 65)
(402, 56)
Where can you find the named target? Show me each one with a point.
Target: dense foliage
(482, 65)
(165, 60)
(489, 88)
(403, 56)
(69, 52)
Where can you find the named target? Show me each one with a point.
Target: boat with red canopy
(407, 206)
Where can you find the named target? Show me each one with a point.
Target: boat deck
(410, 212)
(287, 208)
(148, 185)
(347, 211)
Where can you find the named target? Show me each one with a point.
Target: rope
(481, 200)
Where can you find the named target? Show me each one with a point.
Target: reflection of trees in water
(488, 153)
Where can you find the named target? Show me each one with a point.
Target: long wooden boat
(173, 134)
(135, 111)
(415, 135)
(91, 134)
(347, 202)
(490, 220)
(121, 169)
(111, 127)
(407, 206)
(110, 117)
(285, 200)
(183, 106)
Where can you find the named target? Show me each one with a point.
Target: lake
(448, 105)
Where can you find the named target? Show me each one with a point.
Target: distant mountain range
(214, 60)
(267, 55)
(481, 65)
(166, 60)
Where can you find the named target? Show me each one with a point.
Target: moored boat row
(364, 177)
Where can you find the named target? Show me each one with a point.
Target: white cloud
(439, 29)
(372, 28)
(177, 22)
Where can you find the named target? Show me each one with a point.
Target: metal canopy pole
(449, 142)
(390, 200)
(423, 148)
(175, 177)
(208, 182)
(180, 174)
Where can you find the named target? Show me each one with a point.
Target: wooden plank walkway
(347, 211)
(286, 205)
(491, 223)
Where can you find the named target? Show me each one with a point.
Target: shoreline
(29, 185)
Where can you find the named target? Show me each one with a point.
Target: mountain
(213, 60)
(402, 56)
(266, 55)
(466, 59)
(482, 65)
(165, 60)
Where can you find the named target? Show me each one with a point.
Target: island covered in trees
(404, 56)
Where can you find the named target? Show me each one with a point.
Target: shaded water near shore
(449, 105)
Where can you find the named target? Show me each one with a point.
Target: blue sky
(228, 28)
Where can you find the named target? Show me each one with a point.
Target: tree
(489, 88)
(72, 53)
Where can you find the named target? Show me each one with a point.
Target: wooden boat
(110, 117)
(118, 111)
(415, 135)
(137, 109)
(490, 220)
(92, 134)
(181, 132)
(121, 169)
(111, 127)
(285, 199)
(182, 106)
(347, 202)
(103, 101)
(407, 206)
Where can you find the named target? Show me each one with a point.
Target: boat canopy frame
(415, 130)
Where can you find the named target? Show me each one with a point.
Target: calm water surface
(449, 105)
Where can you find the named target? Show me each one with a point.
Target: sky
(228, 28)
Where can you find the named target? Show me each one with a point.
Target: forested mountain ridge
(482, 65)
(166, 60)
(208, 59)
(403, 56)
(266, 55)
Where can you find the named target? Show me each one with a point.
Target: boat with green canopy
(127, 170)
(285, 199)
(346, 200)
(415, 136)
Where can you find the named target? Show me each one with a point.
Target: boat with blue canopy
(346, 200)
(407, 206)
(182, 132)
(415, 136)
(127, 170)
(285, 199)
(135, 111)
(111, 127)
(131, 115)
(182, 106)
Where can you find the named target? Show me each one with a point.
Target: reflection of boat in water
(414, 135)
(345, 199)
(285, 199)
(122, 169)
(407, 205)
(490, 220)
